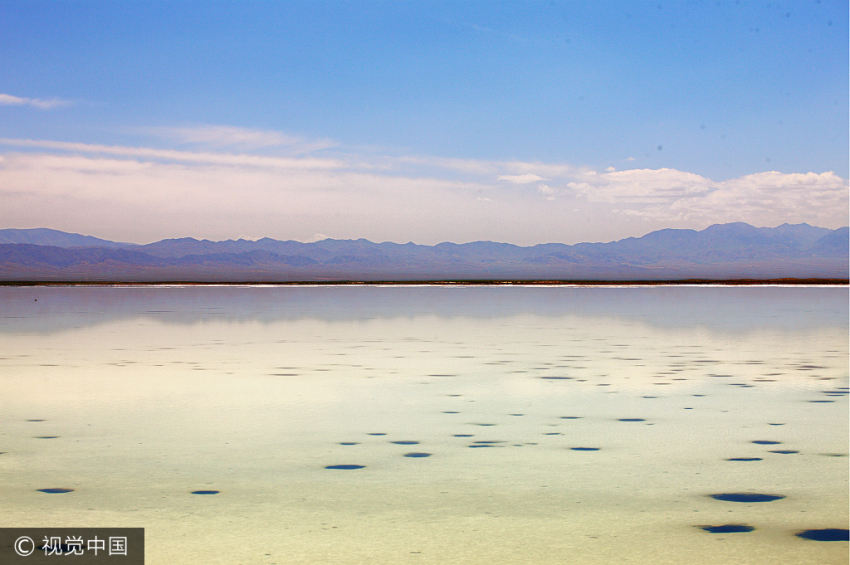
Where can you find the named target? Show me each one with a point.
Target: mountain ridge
(736, 250)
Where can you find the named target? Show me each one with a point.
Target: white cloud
(218, 137)
(9, 100)
(547, 191)
(640, 186)
(149, 199)
(466, 166)
(181, 156)
(521, 179)
(671, 196)
(550, 170)
(154, 193)
(810, 197)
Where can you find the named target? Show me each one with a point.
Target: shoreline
(449, 282)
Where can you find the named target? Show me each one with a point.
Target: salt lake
(431, 424)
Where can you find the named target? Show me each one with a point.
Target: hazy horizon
(517, 122)
(379, 242)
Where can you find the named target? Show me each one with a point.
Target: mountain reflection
(55, 309)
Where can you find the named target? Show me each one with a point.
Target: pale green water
(157, 392)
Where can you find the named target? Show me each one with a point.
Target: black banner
(80, 546)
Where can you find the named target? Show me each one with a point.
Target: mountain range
(722, 251)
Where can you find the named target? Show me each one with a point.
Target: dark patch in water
(744, 459)
(345, 467)
(585, 448)
(727, 528)
(55, 490)
(766, 442)
(784, 451)
(745, 497)
(417, 454)
(205, 492)
(829, 534)
(631, 420)
(405, 442)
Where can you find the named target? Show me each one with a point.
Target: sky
(515, 121)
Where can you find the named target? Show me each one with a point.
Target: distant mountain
(55, 238)
(723, 251)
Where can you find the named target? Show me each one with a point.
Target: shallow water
(334, 424)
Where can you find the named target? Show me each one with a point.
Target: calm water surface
(444, 425)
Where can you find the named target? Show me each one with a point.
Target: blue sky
(525, 122)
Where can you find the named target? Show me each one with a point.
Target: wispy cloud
(181, 156)
(466, 166)
(9, 100)
(809, 197)
(638, 186)
(547, 191)
(521, 179)
(220, 137)
(220, 194)
(222, 197)
(672, 196)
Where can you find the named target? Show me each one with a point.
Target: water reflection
(48, 309)
(512, 425)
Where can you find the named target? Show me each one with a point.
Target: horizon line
(406, 243)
